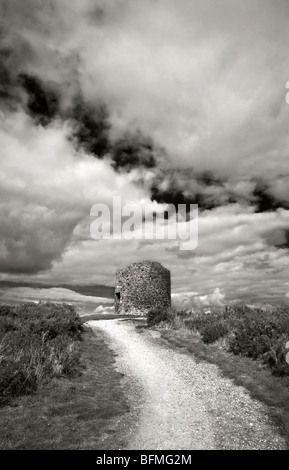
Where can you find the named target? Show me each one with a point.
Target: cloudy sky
(157, 102)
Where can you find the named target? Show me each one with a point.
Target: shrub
(213, 331)
(6, 310)
(262, 334)
(52, 318)
(14, 382)
(37, 342)
(63, 356)
(211, 326)
(253, 332)
(6, 324)
(171, 316)
(156, 315)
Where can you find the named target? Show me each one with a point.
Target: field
(59, 388)
(251, 332)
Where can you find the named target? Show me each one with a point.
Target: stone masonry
(141, 286)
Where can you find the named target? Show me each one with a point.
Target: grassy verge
(82, 410)
(268, 384)
(37, 343)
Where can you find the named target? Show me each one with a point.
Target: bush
(6, 324)
(171, 316)
(63, 356)
(54, 319)
(14, 382)
(37, 342)
(211, 326)
(156, 315)
(262, 334)
(213, 331)
(253, 332)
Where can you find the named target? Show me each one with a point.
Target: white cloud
(47, 189)
(102, 309)
(193, 301)
(173, 70)
(205, 79)
(215, 299)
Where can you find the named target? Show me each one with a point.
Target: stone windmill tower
(141, 286)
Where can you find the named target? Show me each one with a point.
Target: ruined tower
(141, 286)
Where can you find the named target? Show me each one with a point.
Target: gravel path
(179, 404)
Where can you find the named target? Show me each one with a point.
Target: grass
(213, 338)
(37, 343)
(245, 331)
(81, 409)
(62, 390)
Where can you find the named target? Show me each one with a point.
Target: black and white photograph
(144, 228)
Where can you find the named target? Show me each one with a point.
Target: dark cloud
(278, 238)
(170, 196)
(264, 201)
(133, 150)
(91, 122)
(209, 191)
(176, 196)
(33, 241)
(42, 101)
(85, 75)
(187, 187)
(97, 15)
(91, 132)
(91, 127)
(207, 178)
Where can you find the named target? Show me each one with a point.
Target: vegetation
(156, 315)
(37, 342)
(83, 411)
(247, 344)
(252, 332)
(59, 388)
(171, 316)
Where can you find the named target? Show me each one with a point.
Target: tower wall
(142, 286)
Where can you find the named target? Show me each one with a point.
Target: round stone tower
(142, 286)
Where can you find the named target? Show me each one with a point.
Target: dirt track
(179, 404)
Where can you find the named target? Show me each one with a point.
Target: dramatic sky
(158, 102)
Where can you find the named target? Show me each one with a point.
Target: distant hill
(96, 290)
